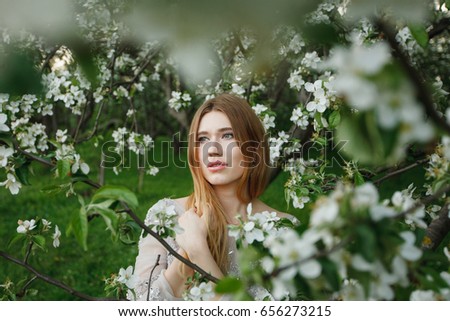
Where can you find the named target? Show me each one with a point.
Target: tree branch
(437, 230)
(439, 27)
(423, 94)
(144, 227)
(94, 130)
(399, 171)
(52, 281)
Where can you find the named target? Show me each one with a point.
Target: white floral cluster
(18, 114)
(394, 107)
(292, 254)
(257, 227)
(96, 20)
(163, 219)
(276, 146)
(179, 100)
(66, 151)
(291, 42)
(25, 227)
(69, 88)
(266, 117)
(407, 41)
(322, 94)
(135, 142)
(295, 188)
(439, 163)
(324, 11)
(201, 292)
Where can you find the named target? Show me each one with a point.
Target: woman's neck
(230, 203)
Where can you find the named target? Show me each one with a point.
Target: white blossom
(3, 126)
(127, 277)
(237, 89)
(365, 195)
(408, 250)
(4, 154)
(153, 171)
(61, 135)
(25, 226)
(202, 292)
(299, 118)
(12, 184)
(78, 164)
(252, 233)
(259, 109)
(295, 80)
(56, 236)
(268, 122)
(422, 295)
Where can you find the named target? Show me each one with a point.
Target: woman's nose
(214, 148)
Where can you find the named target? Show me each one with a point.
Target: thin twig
(27, 254)
(94, 130)
(52, 281)
(399, 171)
(151, 275)
(22, 291)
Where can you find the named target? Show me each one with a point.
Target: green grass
(85, 270)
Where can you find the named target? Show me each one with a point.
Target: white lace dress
(152, 283)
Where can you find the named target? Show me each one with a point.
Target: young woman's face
(221, 159)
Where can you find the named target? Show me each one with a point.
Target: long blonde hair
(250, 135)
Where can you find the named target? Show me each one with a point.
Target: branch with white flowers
(418, 81)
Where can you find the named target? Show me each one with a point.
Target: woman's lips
(216, 166)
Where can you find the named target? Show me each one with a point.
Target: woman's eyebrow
(220, 130)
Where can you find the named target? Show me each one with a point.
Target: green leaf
(63, 168)
(358, 178)
(331, 274)
(22, 174)
(420, 34)
(39, 240)
(79, 227)
(17, 238)
(130, 232)
(6, 139)
(229, 285)
(334, 119)
(110, 218)
(365, 242)
(118, 193)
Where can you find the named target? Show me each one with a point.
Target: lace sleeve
(151, 262)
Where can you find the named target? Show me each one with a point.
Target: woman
(228, 157)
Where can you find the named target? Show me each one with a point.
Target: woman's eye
(202, 139)
(228, 136)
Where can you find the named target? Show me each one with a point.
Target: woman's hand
(193, 238)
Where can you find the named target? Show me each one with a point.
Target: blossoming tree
(351, 93)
